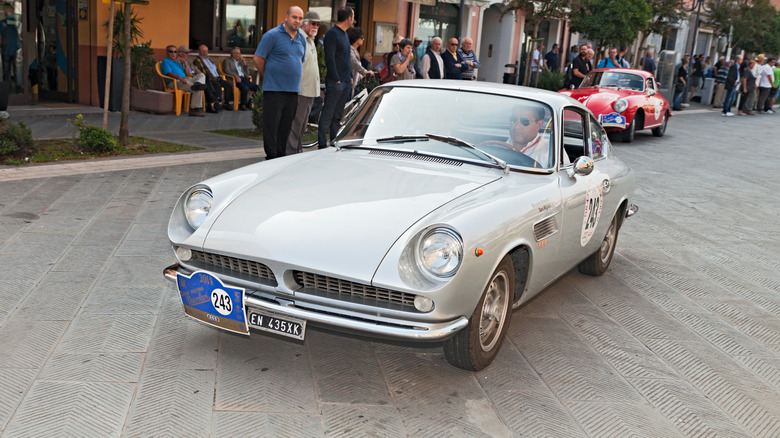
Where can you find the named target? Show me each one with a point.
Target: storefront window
(440, 20)
(241, 23)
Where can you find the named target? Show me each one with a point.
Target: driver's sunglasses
(524, 121)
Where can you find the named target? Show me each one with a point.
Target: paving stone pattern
(681, 337)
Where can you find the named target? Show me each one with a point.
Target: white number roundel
(590, 219)
(222, 302)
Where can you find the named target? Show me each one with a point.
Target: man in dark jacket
(453, 62)
(338, 79)
(732, 79)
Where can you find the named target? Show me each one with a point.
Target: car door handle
(606, 186)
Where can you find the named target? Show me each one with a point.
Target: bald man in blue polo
(279, 58)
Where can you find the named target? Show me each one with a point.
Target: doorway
(56, 49)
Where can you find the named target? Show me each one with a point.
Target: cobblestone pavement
(681, 337)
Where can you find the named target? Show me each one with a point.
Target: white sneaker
(729, 114)
(770, 112)
(685, 105)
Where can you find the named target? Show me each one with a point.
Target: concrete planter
(151, 101)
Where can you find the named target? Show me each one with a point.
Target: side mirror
(651, 92)
(582, 166)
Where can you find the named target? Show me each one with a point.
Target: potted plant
(142, 98)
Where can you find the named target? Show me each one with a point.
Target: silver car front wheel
(475, 347)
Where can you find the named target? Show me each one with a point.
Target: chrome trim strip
(421, 332)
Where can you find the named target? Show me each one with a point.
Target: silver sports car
(442, 206)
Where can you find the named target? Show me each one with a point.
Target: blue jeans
(729, 100)
(678, 99)
(336, 96)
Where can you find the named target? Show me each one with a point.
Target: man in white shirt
(765, 83)
(432, 64)
(537, 64)
(524, 126)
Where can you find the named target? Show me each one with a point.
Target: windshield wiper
(402, 138)
(463, 143)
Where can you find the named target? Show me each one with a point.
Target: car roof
(552, 98)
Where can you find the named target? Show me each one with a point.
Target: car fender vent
(545, 228)
(410, 156)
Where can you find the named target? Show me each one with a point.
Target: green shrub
(14, 137)
(256, 99)
(551, 80)
(97, 140)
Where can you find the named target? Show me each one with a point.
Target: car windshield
(613, 79)
(431, 121)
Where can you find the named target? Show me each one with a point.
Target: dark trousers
(763, 98)
(729, 100)
(278, 114)
(336, 96)
(244, 87)
(9, 64)
(214, 91)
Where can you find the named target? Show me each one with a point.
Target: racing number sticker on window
(593, 198)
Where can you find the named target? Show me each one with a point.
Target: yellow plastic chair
(179, 96)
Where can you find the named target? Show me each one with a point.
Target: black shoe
(198, 86)
(211, 109)
(243, 108)
(196, 113)
(227, 107)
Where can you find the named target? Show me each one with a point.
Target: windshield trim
(377, 147)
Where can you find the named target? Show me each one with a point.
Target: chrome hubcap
(491, 319)
(606, 245)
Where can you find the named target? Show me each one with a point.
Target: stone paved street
(681, 337)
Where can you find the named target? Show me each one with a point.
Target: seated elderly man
(235, 66)
(218, 91)
(171, 66)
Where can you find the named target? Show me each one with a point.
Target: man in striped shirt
(469, 57)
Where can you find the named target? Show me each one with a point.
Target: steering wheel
(514, 157)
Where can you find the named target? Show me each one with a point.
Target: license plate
(281, 325)
(207, 299)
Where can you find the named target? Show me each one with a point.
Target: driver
(524, 126)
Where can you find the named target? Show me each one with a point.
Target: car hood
(340, 211)
(598, 100)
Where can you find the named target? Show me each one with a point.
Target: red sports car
(624, 100)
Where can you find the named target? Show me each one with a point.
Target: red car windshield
(612, 79)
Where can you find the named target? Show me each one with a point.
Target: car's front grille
(234, 266)
(336, 288)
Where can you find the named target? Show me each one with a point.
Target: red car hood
(598, 100)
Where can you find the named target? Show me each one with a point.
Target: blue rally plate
(612, 120)
(207, 299)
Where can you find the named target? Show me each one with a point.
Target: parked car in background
(624, 101)
(424, 223)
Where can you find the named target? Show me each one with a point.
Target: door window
(574, 138)
(597, 141)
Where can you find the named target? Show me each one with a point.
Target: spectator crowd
(287, 61)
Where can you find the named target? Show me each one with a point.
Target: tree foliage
(666, 14)
(755, 24)
(537, 12)
(610, 22)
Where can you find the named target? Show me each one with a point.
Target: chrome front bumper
(420, 332)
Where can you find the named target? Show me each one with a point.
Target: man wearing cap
(310, 84)
(338, 79)
(279, 58)
(419, 51)
(193, 71)
(170, 66)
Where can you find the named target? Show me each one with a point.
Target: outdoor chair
(179, 96)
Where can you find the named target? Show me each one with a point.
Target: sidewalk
(49, 121)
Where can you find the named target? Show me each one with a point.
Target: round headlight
(197, 207)
(620, 105)
(440, 252)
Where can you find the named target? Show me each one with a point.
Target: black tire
(475, 347)
(660, 130)
(628, 134)
(598, 262)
